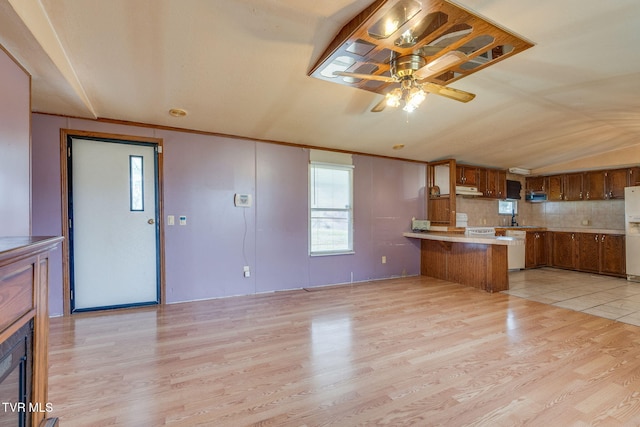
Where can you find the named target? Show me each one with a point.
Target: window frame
(343, 251)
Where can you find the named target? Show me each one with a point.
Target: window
(507, 207)
(136, 184)
(330, 209)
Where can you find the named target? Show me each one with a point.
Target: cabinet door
(615, 182)
(634, 176)
(541, 249)
(483, 182)
(439, 211)
(535, 254)
(573, 186)
(563, 250)
(530, 250)
(535, 183)
(594, 185)
(612, 254)
(589, 252)
(495, 185)
(467, 175)
(501, 184)
(556, 188)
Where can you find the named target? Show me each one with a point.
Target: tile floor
(604, 296)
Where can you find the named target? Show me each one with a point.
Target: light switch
(183, 220)
(171, 220)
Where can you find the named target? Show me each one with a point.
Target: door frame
(65, 135)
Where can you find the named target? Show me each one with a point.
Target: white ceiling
(239, 67)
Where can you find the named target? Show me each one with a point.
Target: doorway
(113, 225)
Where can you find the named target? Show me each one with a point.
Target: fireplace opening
(15, 378)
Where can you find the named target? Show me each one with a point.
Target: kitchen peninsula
(478, 261)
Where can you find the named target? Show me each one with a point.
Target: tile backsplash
(608, 214)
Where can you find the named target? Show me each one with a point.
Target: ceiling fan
(405, 49)
(410, 71)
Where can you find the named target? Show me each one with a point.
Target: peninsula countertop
(461, 238)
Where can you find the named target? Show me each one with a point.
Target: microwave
(535, 196)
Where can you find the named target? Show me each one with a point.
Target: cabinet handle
(573, 236)
(602, 239)
(596, 237)
(588, 195)
(581, 194)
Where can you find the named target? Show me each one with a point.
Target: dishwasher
(515, 253)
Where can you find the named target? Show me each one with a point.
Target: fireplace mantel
(24, 272)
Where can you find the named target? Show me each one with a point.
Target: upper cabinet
(536, 184)
(590, 185)
(493, 183)
(467, 175)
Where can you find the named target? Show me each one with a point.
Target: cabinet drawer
(16, 293)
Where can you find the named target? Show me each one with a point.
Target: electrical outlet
(384, 259)
(183, 220)
(246, 271)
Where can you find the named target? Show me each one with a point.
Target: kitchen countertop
(563, 229)
(461, 238)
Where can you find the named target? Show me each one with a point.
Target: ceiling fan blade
(380, 106)
(440, 64)
(365, 76)
(449, 92)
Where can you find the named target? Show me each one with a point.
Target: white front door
(113, 224)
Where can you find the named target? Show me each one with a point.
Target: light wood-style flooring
(402, 352)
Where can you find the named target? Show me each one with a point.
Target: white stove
(480, 231)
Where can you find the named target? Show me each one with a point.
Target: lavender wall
(15, 113)
(204, 259)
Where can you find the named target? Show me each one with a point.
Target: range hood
(464, 190)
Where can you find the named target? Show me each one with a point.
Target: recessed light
(177, 112)
(398, 147)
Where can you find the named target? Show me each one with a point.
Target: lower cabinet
(564, 250)
(535, 249)
(589, 252)
(613, 256)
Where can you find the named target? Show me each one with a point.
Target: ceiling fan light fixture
(415, 96)
(394, 97)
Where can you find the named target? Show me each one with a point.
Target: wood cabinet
(555, 189)
(565, 187)
(467, 175)
(602, 253)
(441, 199)
(572, 186)
(615, 181)
(536, 184)
(634, 176)
(24, 264)
(439, 210)
(493, 183)
(590, 185)
(612, 254)
(564, 250)
(594, 185)
(589, 252)
(536, 249)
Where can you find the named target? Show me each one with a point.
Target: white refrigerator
(632, 231)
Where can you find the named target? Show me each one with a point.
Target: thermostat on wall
(242, 200)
